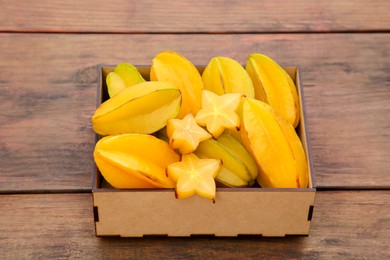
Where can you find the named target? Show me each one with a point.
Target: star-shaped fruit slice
(185, 134)
(219, 112)
(194, 176)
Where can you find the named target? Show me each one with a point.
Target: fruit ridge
(219, 112)
(224, 75)
(143, 108)
(266, 140)
(172, 67)
(274, 86)
(124, 165)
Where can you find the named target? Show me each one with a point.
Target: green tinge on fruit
(115, 84)
(143, 108)
(230, 179)
(236, 148)
(212, 149)
(129, 74)
(225, 75)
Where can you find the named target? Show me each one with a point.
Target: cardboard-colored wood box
(237, 211)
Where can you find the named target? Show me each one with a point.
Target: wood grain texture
(347, 225)
(48, 93)
(189, 16)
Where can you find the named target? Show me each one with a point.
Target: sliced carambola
(143, 108)
(194, 176)
(219, 112)
(185, 134)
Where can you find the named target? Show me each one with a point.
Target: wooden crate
(237, 211)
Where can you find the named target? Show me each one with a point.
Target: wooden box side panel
(254, 212)
(302, 127)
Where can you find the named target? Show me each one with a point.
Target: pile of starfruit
(230, 126)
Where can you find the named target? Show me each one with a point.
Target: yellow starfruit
(194, 176)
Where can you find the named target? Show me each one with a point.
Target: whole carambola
(224, 75)
(135, 161)
(274, 86)
(274, 144)
(172, 67)
(143, 108)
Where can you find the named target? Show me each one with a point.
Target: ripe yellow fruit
(274, 86)
(296, 148)
(224, 75)
(123, 76)
(129, 74)
(219, 112)
(115, 84)
(231, 144)
(194, 176)
(143, 108)
(185, 134)
(275, 147)
(231, 164)
(134, 161)
(172, 67)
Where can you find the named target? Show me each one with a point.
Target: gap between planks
(75, 191)
(372, 31)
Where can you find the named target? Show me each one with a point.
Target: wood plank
(48, 93)
(187, 16)
(345, 224)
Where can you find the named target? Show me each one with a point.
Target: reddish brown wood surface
(188, 16)
(49, 51)
(347, 225)
(48, 93)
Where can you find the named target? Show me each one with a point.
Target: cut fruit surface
(185, 134)
(218, 112)
(194, 176)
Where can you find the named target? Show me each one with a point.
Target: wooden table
(49, 51)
